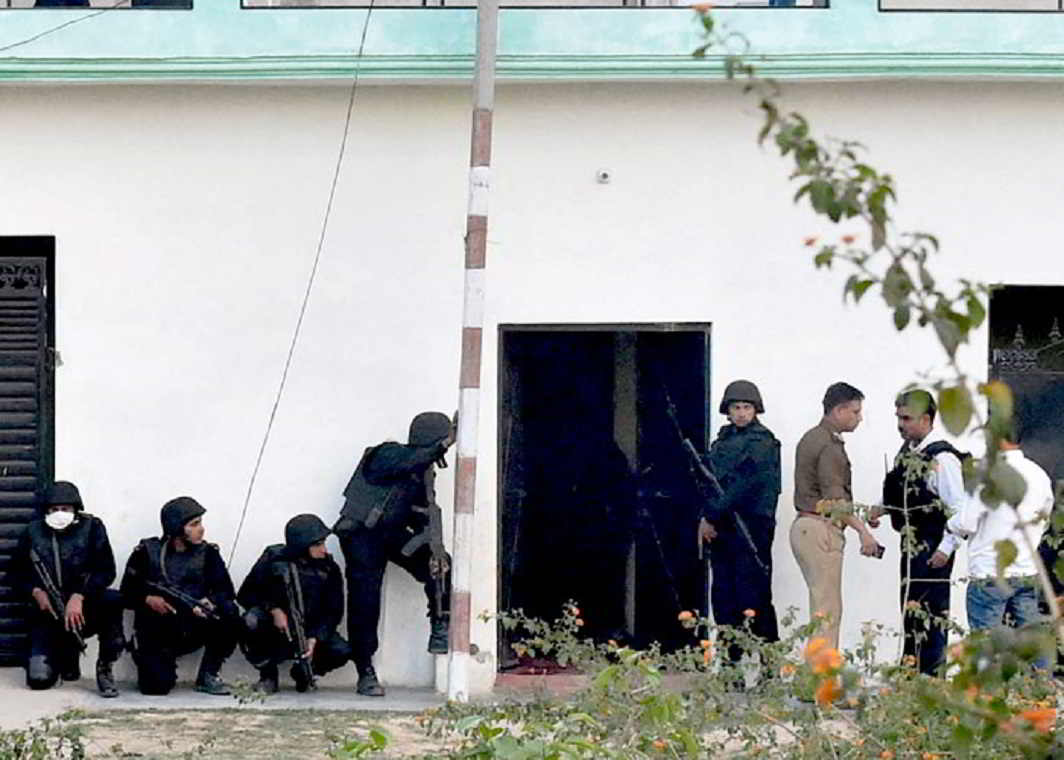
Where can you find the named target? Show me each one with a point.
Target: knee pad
(40, 674)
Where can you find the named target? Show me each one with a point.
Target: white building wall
(186, 220)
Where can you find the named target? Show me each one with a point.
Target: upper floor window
(971, 5)
(102, 4)
(533, 3)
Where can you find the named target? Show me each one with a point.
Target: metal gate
(26, 411)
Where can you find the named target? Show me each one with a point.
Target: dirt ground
(244, 733)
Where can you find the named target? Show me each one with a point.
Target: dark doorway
(27, 338)
(1027, 352)
(597, 500)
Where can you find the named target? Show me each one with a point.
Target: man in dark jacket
(297, 573)
(741, 524)
(384, 519)
(182, 597)
(66, 550)
(925, 486)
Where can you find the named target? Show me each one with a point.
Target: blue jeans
(988, 603)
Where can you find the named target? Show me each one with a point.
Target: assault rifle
(706, 480)
(55, 596)
(432, 535)
(297, 623)
(187, 601)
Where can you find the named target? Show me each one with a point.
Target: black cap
(63, 492)
(302, 531)
(176, 512)
(429, 428)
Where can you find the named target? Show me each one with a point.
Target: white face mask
(59, 520)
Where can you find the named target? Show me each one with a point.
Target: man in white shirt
(919, 494)
(987, 602)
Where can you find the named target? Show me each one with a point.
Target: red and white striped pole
(476, 243)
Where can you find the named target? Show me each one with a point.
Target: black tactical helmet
(176, 512)
(302, 531)
(429, 428)
(62, 492)
(742, 390)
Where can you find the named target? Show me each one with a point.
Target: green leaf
(1001, 406)
(949, 335)
(901, 316)
(976, 311)
(860, 287)
(897, 285)
(1007, 482)
(963, 738)
(821, 195)
(1006, 554)
(824, 257)
(956, 407)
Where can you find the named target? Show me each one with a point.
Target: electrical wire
(59, 27)
(310, 281)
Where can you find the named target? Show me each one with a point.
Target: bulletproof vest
(74, 545)
(926, 514)
(185, 570)
(366, 503)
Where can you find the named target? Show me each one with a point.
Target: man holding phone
(921, 491)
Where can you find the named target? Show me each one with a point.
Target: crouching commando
(65, 565)
(294, 597)
(182, 597)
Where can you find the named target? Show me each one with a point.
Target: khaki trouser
(817, 545)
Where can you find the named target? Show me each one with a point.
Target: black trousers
(925, 639)
(161, 639)
(366, 554)
(57, 650)
(740, 583)
(266, 647)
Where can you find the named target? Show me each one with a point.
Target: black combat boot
(71, 669)
(368, 685)
(299, 675)
(269, 682)
(209, 682)
(105, 679)
(439, 632)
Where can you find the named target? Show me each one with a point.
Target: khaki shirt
(821, 469)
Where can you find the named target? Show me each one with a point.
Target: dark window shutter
(25, 416)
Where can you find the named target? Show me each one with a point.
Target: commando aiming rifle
(706, 481)
(55, 596)
(187, 601)
(297, 623)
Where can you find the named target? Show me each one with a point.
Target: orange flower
(929, 756)
(909, 661)
(612, 643)
(707, 655)
(821, 657)
(787, 670)
(705, 643)
(685, 615)
(809, 242)
(1042, 718)
(829, 690)
(887, 754)
(659, 744)
(848, 239)
(749, 613)
(814, 646)
(579, 622)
